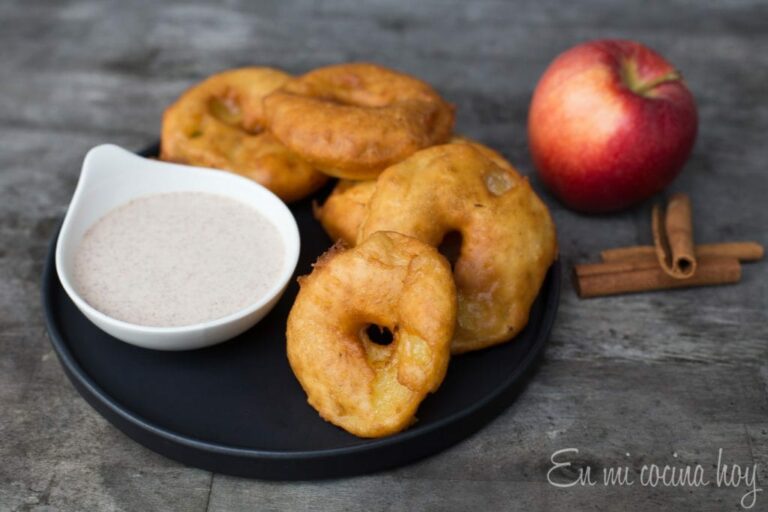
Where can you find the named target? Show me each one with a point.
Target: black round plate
(236, 408)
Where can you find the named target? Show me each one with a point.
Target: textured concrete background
(648, 374)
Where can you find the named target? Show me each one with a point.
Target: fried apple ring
(344, 210)
(354, 120)
(392, 281)
(508, 237)
(219, 123)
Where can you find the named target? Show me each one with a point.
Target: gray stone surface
(650, 375)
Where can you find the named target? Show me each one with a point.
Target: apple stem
(672, 76)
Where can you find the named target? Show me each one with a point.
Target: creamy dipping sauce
(176, 259)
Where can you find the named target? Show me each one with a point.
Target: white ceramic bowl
(112, 176)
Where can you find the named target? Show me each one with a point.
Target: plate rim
(511, 385)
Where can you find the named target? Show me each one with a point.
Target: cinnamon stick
(742, 251)
(673, 237)
(613, 280)
(613, 267)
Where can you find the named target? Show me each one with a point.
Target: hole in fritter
(379, 335)
(450, 247)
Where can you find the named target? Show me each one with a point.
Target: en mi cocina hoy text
(566, 472)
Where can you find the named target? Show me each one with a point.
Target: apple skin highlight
(611, 123)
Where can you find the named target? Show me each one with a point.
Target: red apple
(611, 123)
